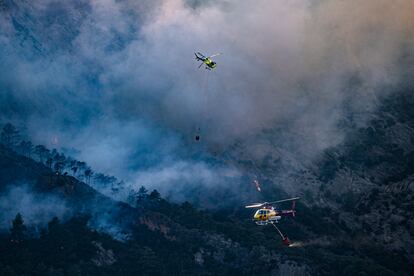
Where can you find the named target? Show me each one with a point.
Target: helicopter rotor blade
(255, 205)
(200, 65)
(215, 55)
(284, 200)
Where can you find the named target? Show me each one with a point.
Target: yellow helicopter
(267, 214)
(210, 64)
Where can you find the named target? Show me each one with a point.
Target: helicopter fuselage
(270, 215)
(208, 62)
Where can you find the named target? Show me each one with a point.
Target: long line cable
(203, 103)
(280, 233)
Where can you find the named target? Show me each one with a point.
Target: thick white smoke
(110, 77)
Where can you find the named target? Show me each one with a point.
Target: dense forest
(157, 237)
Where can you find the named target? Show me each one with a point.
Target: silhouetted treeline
(60, 163)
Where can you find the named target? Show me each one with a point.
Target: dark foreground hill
(100, 236)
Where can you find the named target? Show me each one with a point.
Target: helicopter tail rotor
(293, 208)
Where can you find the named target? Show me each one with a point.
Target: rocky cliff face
(367, 180)
(33, 25)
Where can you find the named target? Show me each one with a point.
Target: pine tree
(49, 162)
(81, 167)
(18, 229)
(9, 135)
(142, 194)
(88, 174)
(41, 151)
(155, 195)
(138, 199)
(149, 262)
(25, 148)
(59, 162)
(72, 166)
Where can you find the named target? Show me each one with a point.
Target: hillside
(38, 182)
(367, 180)
(203, 242)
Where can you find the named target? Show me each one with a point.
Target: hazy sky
(117, 80)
